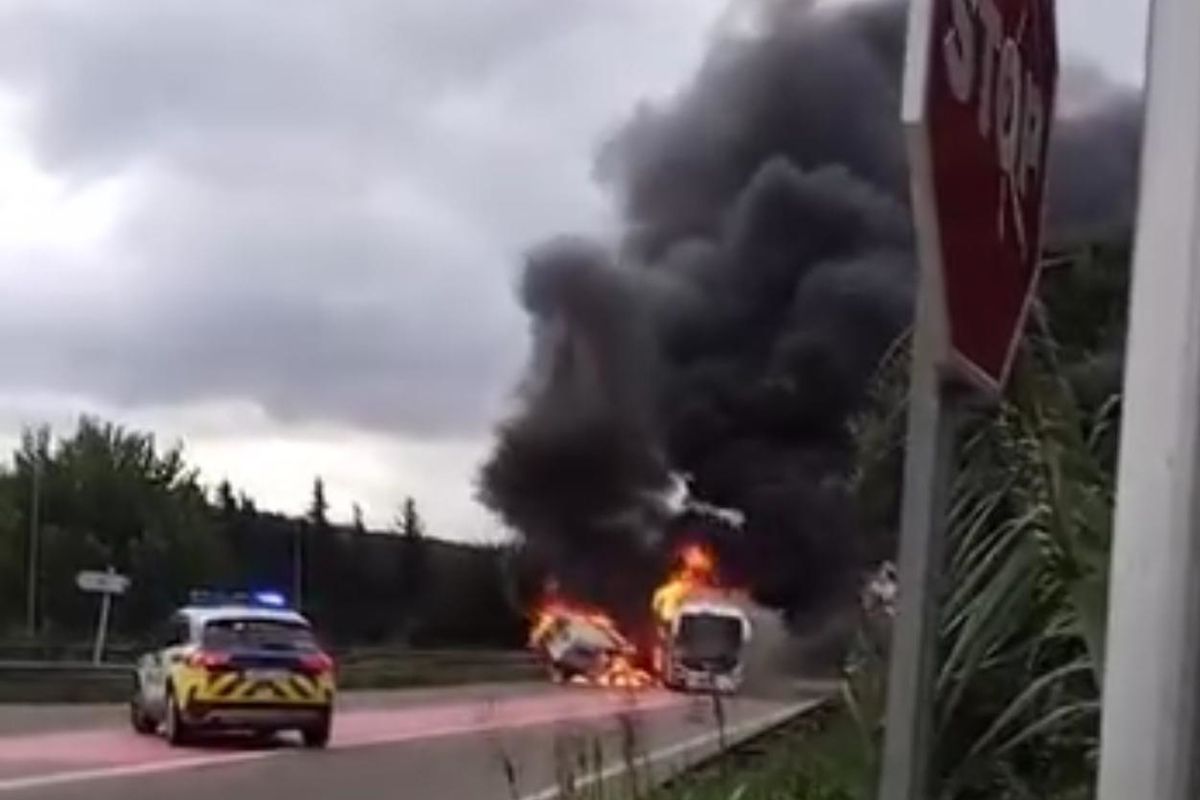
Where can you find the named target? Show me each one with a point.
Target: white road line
(127, 770)
(488, 724)
(742, 730)
(28, 782)
(383, 738)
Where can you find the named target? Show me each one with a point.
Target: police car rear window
(258, 634)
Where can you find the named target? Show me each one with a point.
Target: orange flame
(556, 610)
(696, 573)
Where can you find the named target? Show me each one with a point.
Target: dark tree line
(109, 496)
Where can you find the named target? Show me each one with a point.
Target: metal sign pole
(927, 467)
(110, 583)
(1152, 670)
(927, 470)
(102, 627)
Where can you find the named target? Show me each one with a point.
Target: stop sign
(981, 129)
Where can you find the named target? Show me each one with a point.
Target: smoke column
(765, 268)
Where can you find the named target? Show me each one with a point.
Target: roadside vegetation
(104, 495)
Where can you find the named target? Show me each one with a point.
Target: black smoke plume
(767, 265)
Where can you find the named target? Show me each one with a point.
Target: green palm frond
(1022, 618)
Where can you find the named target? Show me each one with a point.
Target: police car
(235, 662)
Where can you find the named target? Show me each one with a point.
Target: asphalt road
(446, 744)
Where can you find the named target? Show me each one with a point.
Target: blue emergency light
(271, 599)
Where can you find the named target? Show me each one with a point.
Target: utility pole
(298, 566)
(1151, 712)
(31, 582)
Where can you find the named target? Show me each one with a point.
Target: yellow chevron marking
(233, 687)
(223, 684)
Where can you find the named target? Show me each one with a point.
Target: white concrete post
(1150, 684)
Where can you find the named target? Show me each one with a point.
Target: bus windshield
(709, 636)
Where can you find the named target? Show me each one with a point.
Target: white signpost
(106, 584)
(1151, 711)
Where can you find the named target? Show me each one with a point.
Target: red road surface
(437, 741)
(44, 759)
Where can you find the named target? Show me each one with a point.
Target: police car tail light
(316, 663)
(207, 659)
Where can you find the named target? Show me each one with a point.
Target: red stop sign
(988, 105)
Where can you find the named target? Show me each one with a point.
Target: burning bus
(703, 646)
(703, 631)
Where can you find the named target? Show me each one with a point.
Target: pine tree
(410, 523)
(412, 567)
(318, 509)
(226, 501)
(246, 505)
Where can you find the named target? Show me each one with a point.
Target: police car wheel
(317, 735)
(177, 730)
(142, 722)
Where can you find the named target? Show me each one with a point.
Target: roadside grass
(820, 756)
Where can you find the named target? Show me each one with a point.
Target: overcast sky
(286, 231)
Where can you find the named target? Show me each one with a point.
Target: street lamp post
(298, 566)
(31, 582)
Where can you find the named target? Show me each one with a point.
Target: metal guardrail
(126, 654)
(347, 659)
(24, 681)
(35, 680)
(77, 653)
(61, 667)
(364, 655)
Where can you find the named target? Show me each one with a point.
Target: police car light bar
(266, 598)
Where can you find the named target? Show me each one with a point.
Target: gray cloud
(325, 199)
(142, 77)
(324, 202)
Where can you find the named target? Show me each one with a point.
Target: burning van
(584, 646)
